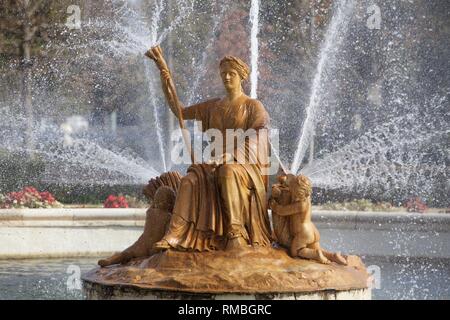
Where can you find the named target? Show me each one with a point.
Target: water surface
(400, 278)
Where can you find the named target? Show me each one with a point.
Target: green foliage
(18, 170)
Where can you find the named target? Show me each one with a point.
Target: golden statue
(291, 213)
(220, 205)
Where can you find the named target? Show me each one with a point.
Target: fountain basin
(83, 232)
(250, 273)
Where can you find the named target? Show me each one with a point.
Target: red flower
(113, 201)
(416, 205)
(31, 190)
(47, 196)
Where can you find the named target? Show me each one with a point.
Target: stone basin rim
(161, 289)
(87, 278)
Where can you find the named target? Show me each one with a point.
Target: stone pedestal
(252, 273)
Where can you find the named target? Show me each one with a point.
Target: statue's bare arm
(167, 83)
(285, 210)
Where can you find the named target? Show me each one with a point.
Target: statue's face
(230, 77)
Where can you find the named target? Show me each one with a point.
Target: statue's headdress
(237, 64)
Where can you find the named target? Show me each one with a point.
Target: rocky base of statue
(253, 272)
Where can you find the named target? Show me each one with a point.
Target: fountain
(368, 102)
(390, 157)
(332, 42)
(214, 221)
(89, 159)
(254, 20)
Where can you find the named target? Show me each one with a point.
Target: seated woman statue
(221, 204)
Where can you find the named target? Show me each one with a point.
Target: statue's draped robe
(230, 201)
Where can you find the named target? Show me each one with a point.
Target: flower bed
(414, 204)
(28, 197)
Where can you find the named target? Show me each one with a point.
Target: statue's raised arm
(168, 86)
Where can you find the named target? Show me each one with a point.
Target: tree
(23, 28)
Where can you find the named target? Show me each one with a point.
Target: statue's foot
(338, 258)
(103, 262)
(322, 259)
(237, 242)
(114, 259)
(161, 245)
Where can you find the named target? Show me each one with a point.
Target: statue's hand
(150, 54)
(220, 160)
(155, 53)
(227, 158)
(273, 205)
(214, 162)
(276, 191)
